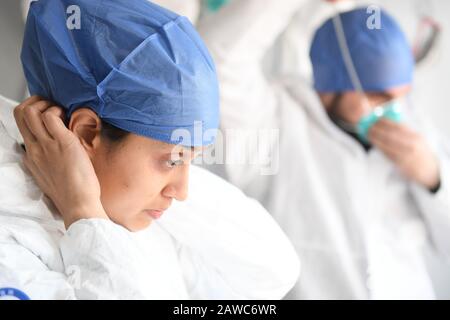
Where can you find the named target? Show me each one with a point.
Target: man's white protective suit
(361, 229)
(218, 244)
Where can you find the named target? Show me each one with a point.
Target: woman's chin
(140, 223)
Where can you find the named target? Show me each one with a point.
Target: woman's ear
(86, 125)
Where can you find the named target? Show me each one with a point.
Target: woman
(133, 81)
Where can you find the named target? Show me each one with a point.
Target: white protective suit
(361, 229)
(218, 244)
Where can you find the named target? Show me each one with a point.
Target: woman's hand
(58, 161)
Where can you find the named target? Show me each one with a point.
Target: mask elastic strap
(345, 52)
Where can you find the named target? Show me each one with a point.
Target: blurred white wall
(187, 8)
(431, 80)
(12, 82)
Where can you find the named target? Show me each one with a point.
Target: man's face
(138, 180)
(351, 106)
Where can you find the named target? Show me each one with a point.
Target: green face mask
(390, 110)
(215, 5)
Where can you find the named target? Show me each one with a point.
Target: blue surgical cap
(382, 57)
(140, 67)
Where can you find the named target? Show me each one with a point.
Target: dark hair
(112, 133)
(334, 104)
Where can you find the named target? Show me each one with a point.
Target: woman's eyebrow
(180, 150)
(176, 150)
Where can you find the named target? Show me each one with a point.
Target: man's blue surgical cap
(382, 57)
(140, 67)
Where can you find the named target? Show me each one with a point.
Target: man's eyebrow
(384, 95)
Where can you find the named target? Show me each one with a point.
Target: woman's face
(139, 177)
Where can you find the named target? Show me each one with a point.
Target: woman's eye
(173, 163)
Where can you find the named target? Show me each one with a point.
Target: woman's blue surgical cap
(382, 56)
(140, 67)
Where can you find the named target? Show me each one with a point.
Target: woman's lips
(154, 214)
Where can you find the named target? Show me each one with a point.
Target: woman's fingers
(20, 121)
(57, 111)
(29, 101)
(54, 122)
(33, 119)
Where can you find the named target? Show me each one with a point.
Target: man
(362, 211)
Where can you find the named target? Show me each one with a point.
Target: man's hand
(58, 161)
(408, 150)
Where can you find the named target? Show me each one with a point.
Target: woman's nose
(178, 185)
